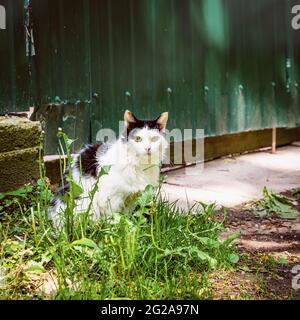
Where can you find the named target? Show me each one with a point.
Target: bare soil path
(269, 248)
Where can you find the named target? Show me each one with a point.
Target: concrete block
(19, 152)
(18, 133)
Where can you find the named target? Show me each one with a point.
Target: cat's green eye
(137, 139)
(154, 139)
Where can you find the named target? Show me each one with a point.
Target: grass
(156, 252)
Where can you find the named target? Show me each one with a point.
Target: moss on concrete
(18, 168)
(19, 152)
(18, 133)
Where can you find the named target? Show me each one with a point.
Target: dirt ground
(269, 248)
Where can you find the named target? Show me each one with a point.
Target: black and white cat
(134, 161)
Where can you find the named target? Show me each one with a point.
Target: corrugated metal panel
(217, 65)
(293, 44)
(222, 65)
(63, 69)
(14, 64)
(62, 40)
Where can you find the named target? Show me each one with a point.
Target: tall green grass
(156, 252)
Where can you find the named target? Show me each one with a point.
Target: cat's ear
(162, 120)
(129, 118)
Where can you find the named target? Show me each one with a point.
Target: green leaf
(265, 192)
(245, 268)
(210, 242)
(35, 267)
(22, 192)
(261, 213)
(283, 261)
(202, 255)
(46, 257)
(104, 170)
(231, 238)
(233, 258)
(291, 214)
(69, 141)
(76, 188)
(275, 204)
(85, 242)
(146, 196)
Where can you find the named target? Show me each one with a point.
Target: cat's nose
(148, 150)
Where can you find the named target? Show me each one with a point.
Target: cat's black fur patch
(86, 164)
(87, 160)
(139, 124)
(53, 202)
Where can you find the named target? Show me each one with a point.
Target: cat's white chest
(135, 179)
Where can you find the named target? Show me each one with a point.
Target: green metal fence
(222, 65)
(14, 67)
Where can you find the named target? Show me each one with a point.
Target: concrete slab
(233, 181)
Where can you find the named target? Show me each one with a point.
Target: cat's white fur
(131, 170)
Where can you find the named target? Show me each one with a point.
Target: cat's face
(146, 138)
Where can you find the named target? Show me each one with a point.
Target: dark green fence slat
(14, 64)
(62, 59)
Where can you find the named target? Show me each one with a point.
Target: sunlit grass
(156, 252)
